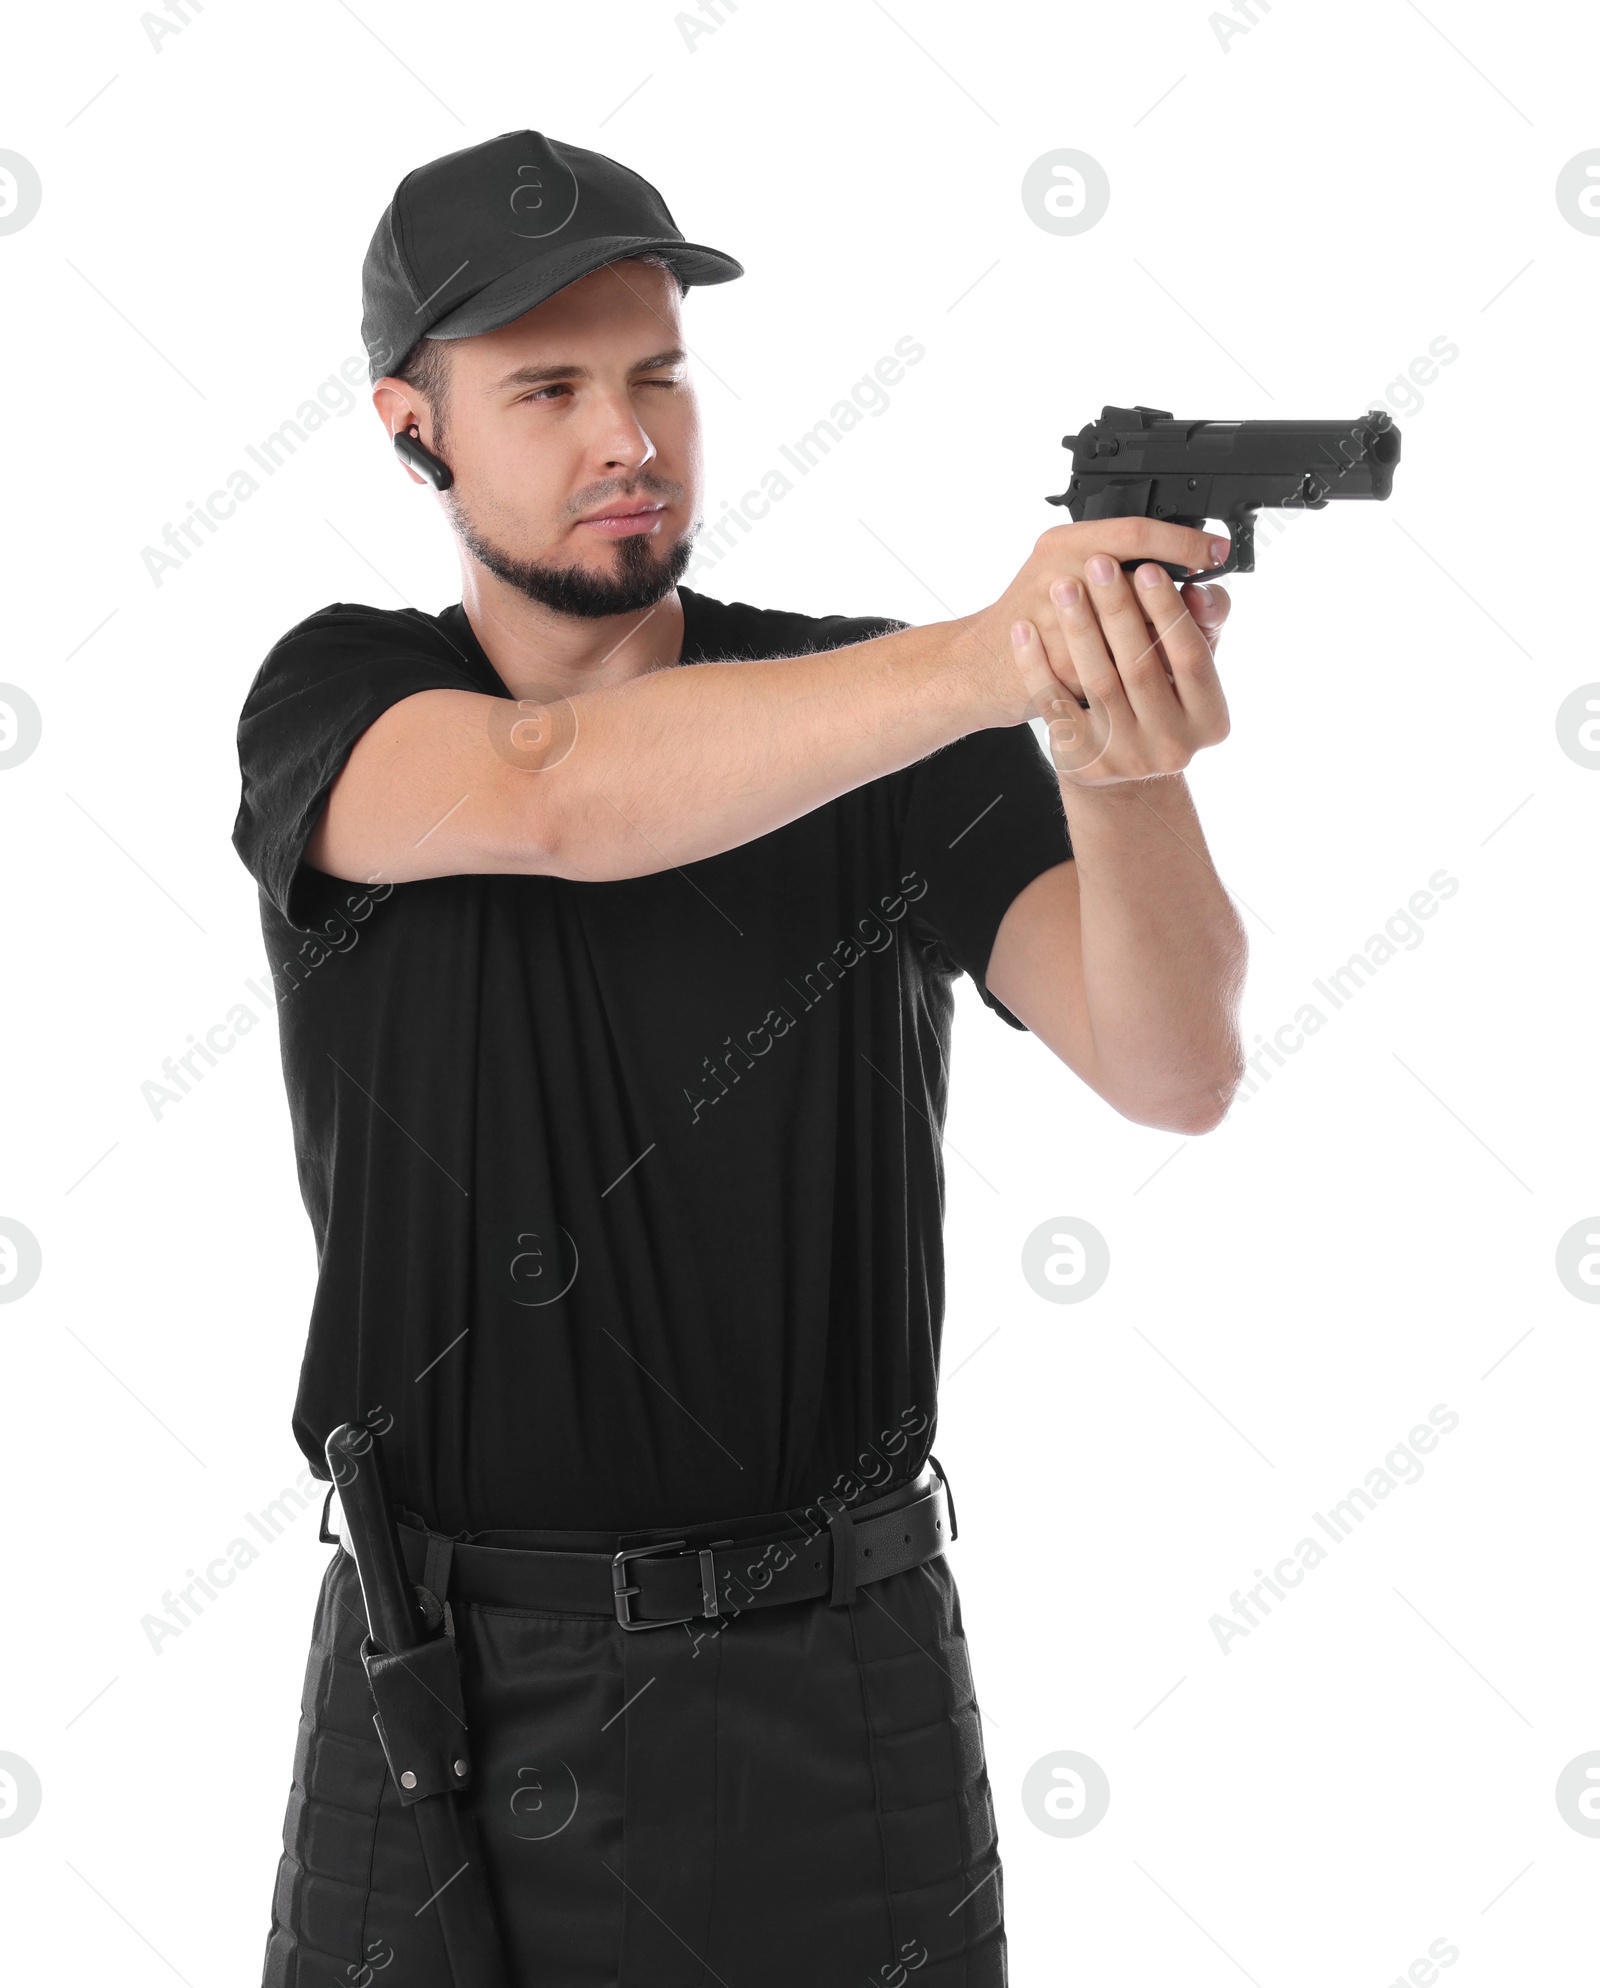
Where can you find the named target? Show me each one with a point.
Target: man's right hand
(1062, 553)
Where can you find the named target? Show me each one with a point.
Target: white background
(1294, 219)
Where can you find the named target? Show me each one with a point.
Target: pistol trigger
(1241, 550)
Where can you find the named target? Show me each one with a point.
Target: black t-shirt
(627, 1196)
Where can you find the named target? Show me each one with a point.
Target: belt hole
(908, 1539)
(866, 1552)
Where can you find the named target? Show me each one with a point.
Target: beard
(641, 574)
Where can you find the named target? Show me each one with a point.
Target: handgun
(1138, 462)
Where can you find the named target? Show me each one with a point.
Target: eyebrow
(534, 376)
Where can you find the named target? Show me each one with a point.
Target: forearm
(688, 761)
(1163, 951)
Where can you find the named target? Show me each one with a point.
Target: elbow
(1197, 1115)
(528, 838)
(1193, 1111)
(555, 831)
(1190, 1116)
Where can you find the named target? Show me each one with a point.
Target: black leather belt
(776, 1558)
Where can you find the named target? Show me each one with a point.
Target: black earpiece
(408, 447)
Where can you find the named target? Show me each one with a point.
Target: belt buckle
(621, 1590)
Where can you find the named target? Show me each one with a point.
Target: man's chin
(629, 576)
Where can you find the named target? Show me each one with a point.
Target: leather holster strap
(420, 1717)
(682, 1580)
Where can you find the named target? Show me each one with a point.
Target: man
(614, 930)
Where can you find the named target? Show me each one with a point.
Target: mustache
(650, 486)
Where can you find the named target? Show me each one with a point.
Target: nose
(631, 447)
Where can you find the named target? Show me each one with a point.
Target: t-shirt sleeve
(319, 689)
(984, 818)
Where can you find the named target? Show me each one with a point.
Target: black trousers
(794, 1800)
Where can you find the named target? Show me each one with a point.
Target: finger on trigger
(1206, 549)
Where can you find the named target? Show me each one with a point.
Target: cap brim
(509, 297)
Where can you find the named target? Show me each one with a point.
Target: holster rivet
(408, 1779)
(461, 1769)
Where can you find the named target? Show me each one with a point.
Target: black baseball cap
(471, 241)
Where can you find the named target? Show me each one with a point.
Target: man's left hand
(1142, 694)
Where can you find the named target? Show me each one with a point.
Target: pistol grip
(1175, 572)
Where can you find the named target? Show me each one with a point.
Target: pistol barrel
(1141, 462)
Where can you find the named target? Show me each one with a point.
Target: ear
(400, 408)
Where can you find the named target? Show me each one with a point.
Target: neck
(529, 643)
